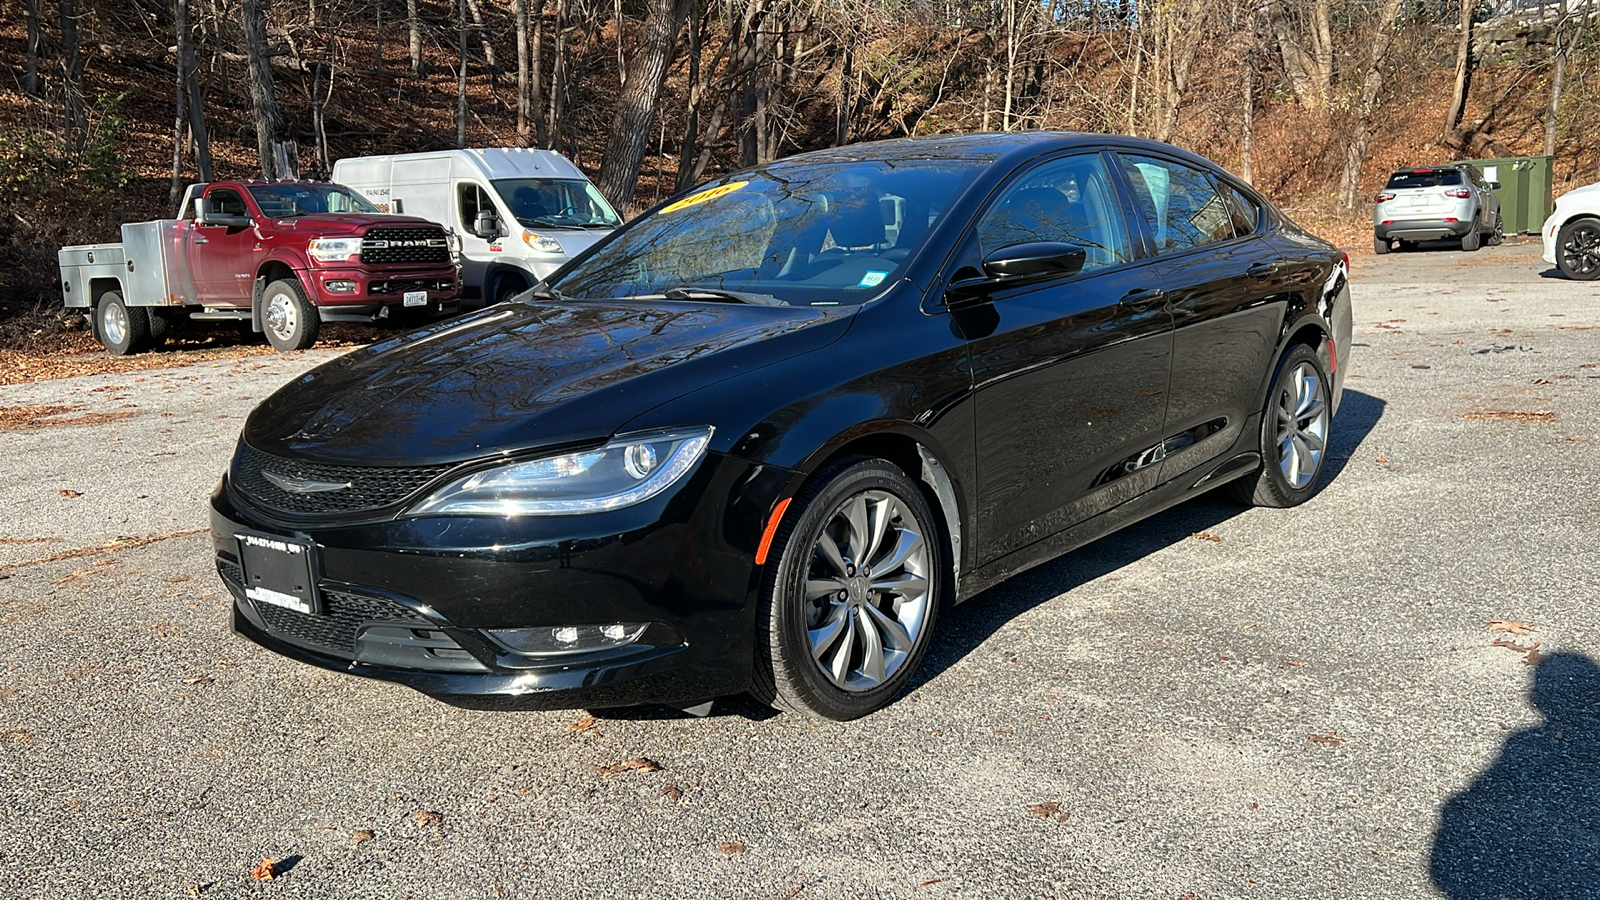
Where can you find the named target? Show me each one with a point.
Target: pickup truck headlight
(630, 469)
(335, 249)
(542, 242)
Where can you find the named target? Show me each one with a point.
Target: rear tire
(122, 330)
(1473, 239)
(161, 327)
(1294, 434)
(849, 605)
(1380, 245)
(289, 320)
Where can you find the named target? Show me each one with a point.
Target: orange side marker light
(772, 529)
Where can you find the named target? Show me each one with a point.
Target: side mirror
(1494, 185)
(1020, 264)
(487, 225)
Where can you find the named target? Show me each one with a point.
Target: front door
(477, 253)
(222, 257)
(1070, 376)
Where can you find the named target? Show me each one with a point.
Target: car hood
(350, 223)
(1588, 195)
(525, 375)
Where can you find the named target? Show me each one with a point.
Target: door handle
(201, 240)
(1143, 298)
(1261, 269)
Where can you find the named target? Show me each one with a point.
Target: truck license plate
(416, 298)
(279, 571)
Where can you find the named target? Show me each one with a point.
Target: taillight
(1462, 193)
(1344, 260)
(1386, 195)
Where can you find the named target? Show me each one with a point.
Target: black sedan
(762, 438)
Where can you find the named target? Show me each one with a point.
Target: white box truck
(517, 214)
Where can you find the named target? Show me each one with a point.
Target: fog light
(339, 287)
(565, 639)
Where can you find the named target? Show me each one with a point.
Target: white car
(1572, 233)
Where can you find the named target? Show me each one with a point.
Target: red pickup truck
(282, 256)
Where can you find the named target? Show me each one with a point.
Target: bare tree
(1304, 34)
(1558, 79)
(636, 107)
(189, 115)
(414, 36)
(1458, 97)
(30, 73)
(72, 72)
(1365, 100)
(1178, 29)
(278, 159)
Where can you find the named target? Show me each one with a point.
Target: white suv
(1436, 202)
(1574, 230)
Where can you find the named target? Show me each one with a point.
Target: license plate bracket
(415, 298)
(279, 570)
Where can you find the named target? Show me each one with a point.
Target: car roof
(1010, 146)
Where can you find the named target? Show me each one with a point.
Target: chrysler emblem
(304, 485)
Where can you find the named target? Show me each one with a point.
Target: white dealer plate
(415, 298)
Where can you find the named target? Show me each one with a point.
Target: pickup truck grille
(366, 487)
(404, 245)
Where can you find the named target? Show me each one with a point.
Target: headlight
(334, 249)
(542, 243)
(630, 469)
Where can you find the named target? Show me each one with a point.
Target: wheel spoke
(839, 666)
(817, 588)
(827, 634)
(1290, 456)
(903, 585)
(1313, 411)
(882, 512)
(1311, 441)
(907, 543)
(856, 514)
(872, 664)
(894, 634)
(829, 550)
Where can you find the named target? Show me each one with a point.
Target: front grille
(343, 617)
(400, 286)
(404, 245)
(369, 487)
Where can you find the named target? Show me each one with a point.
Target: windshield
(1424, 178)
(801, 233)
(556, 203)
(290, 199)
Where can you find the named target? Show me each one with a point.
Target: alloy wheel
(868, 590)
(1580, 253)
(115, 323)
(1302, 426)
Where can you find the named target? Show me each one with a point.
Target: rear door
(222, 257)
(1070, 375)
(1225, 286)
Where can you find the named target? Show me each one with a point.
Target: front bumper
(1421, 229)
(409, 600)
(1547, 232)
(385, 287)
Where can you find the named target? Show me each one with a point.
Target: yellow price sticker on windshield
(703, 196)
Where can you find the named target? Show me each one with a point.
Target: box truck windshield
(555, 203)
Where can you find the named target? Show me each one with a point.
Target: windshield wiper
(689, 292)
(543, 291)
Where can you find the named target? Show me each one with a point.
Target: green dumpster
(1526, 186)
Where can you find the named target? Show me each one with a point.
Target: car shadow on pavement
(1529, 825)
(975, 621)
(1553, 272)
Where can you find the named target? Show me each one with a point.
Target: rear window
(1425, 178)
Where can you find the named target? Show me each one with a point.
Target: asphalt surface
(1214, 703)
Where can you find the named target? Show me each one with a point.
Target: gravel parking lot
(1388, 692)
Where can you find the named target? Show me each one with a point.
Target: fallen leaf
(930, 882)
(794, 891)
(732, 847)
(266, 870)
(198, 679)
(1331, 737)
(672, 792)
(1511, 626)
(1535, 657)
(70, 493)
(1543, 381)
(586, 723)
(639, 764)
(1513, 645)
(428, 817)
(1207, 536)
(1049, 809)
(178, 579)
(361, 835)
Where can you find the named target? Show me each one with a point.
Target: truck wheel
(120, 329)
(506, 287)
(287, 317)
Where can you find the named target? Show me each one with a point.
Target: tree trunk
(1011, 63)
(461, 75)
(1310, 71)
(72, 67)
(1371, 83)
(636, 108)
(1458, 97)
(263, 97)
(379, 42)
(841, 129)
(558, 80)
(189, 111)
(30, 74)
(483, 38)
(414, 32)
(1558, 79)
(698, 85)
(1247, 136)
(520, 11)
(536, 72)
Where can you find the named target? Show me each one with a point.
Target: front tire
(506, 287)
(289, 320)
(1578, 249)
(849, 606)
(1380, 245)
(1498, 236)
(122, 329)
(1294, 434)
